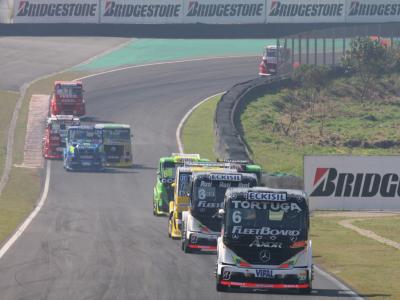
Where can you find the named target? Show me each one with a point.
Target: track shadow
(120, 171)
(143, 167)
(91, 119)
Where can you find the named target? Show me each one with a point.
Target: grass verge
(8, 99)
(198, 132)
(350, 126)
(17, 202)
(368, 266)
(385, 227)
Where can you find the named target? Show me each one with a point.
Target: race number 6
(237, 217)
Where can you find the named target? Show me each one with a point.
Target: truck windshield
(208, 195)
(92, 136)
(168, 170)
(116, 135)
(282, 220)
(69, 91)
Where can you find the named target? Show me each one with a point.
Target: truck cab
(200, 223)
(163, 191)
(264, 242)
(84, 149)
(182, 189)
(274, 60)
(67, 99)
(55, 135)
(117, 142)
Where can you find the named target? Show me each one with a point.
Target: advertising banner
(353, 182)
(369, 11)
(306, 11)
(56, 11)
(224, 11)
(141, 11)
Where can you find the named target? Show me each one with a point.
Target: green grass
(386, 227)
(370, 267)
(18, 199)
(198, 132)
(8, 100)
(369, 121)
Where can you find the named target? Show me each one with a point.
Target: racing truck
(84, 149)
(272, 60)
(200, 224)
(264, 242)
(117, 144)
(55, 135)
(67, 99)
(244, 166)
(163, 192)
(182, 186)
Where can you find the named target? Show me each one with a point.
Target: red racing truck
(67, 99)
(55, 134)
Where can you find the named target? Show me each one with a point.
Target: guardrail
(228, 129)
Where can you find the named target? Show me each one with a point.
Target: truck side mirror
(173, 184)
(221, 213)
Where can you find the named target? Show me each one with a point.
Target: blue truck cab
(84, 149)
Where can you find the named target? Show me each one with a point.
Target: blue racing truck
(84, 149)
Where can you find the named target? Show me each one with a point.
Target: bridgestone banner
(353, 182)
(224, 11)
(368, 11)
(141, 11)
(306, 11)
(56, 11)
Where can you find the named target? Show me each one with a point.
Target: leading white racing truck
(264, 241)
(200, 223)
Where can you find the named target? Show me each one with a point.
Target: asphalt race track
(96, 237)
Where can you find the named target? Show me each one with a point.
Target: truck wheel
(307, 290)
(154, 208)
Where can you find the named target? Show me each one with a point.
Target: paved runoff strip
(368, 233)
(38, 111)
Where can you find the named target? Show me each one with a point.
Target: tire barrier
(230, 143)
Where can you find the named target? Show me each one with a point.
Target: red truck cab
(67, 99)
(269, 64)
(55, 134)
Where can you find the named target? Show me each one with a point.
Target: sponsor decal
(205, 204)
(113, 9)
(267, 196)
(264, 256)
(323, 9)
(167, 180)
(226, 275)
(264, 244)
(372, 9)
(226, 177)
(78, 9)
(264, 273)
(225, 10)
(205, 184)
(329, 182)
(264, 231)
(274, 206)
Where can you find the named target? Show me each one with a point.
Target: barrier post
(315, 51)
(333, 51)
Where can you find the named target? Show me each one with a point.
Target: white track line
(178, 132)
(32, 215)
(345, 289)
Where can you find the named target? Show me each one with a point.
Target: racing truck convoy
(163, 191)
(182, 189)
(117, 144)
(67, 99)
(200, 223)
(264, 240)
(84, 149)
(55, 135)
